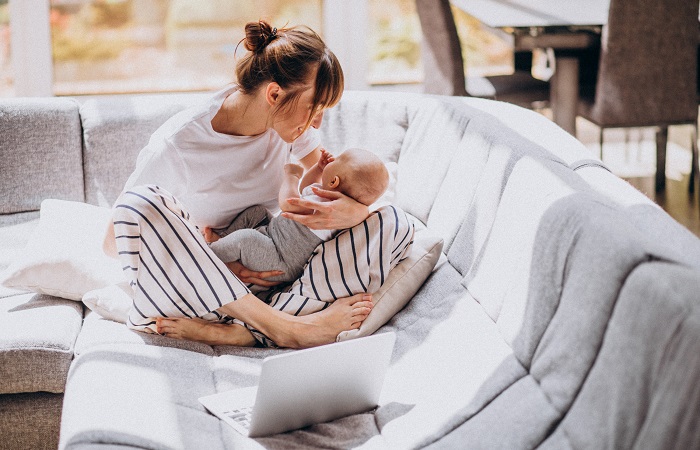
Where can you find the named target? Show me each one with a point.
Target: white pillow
(403, 282)
(111, 302)
(64, 256)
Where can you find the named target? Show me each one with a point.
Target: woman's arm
(339, 213)
(250, 276)
(290, 189)
(314, 174)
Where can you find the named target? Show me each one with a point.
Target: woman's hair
(288, 57)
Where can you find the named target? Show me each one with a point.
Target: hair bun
(258, 35)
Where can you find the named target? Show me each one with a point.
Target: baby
(264, 244)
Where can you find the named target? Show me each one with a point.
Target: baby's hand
(209, 235)
(326, 158)
(293, 169)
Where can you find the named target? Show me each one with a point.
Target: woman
(207, 164)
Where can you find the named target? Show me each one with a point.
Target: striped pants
(357, 260)
(169, 266)
(174, 273)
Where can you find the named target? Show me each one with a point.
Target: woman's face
(290, 124)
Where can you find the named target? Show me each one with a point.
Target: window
(485, 51)
(395, 42)
(119, 46)
(131, 46)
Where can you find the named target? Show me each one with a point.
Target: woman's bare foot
(206, 332)
(323, 327)
(287, 330)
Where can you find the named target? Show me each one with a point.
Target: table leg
(564, 92)
(661, 144)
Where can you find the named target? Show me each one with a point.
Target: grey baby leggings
(262, 243)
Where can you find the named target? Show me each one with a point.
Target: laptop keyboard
(240, 415)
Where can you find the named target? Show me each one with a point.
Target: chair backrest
(648, 66)
(442, 51)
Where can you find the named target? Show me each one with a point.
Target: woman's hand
(249, 276)
(341, 212)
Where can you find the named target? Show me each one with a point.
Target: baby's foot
(323, 327)
(199, 330)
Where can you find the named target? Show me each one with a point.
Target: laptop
(306, 387)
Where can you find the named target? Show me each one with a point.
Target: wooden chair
(647, 73)
(444, 65)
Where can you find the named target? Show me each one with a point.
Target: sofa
(563, 311)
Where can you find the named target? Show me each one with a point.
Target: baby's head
(357, 173)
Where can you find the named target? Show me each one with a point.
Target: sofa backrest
(115, 129)
(41, 154)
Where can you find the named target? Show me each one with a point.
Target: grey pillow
(403, 282)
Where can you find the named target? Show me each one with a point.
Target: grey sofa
(563, 313)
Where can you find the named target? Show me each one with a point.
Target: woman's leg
(283, 329)
(171, 269)
(356, 261)
(211, 333)
(175, 274)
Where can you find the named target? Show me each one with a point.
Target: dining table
(565, 26)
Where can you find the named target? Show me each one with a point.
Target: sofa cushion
(41, 152)
(440, 153)
(468, 146)
(500, 277)
(64, 255)
(643, 387)
(669, 239)
(403, 282)
(37, 335)
(382, 117)
(146, 397)
(98, 331)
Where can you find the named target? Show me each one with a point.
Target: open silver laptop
(306, 387)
